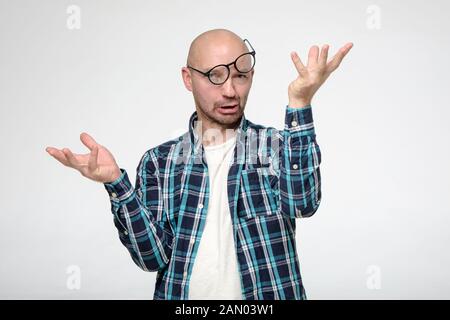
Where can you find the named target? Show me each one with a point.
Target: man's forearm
(300, 157)
(148, 244)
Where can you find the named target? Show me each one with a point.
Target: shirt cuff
(299, 120)
(121, 188)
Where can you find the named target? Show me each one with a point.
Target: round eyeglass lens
(219, 74)
(245, 62)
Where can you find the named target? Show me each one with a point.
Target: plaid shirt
(273, 178)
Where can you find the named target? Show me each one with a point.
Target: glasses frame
(207, 73)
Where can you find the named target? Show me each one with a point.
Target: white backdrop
(382, 230)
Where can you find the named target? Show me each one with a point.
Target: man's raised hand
(314, 74)
(98, 165)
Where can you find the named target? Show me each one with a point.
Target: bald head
(208, 48)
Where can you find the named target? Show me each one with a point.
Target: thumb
(87, 140)
(92, 164)
(298, 63)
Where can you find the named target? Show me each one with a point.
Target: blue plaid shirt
(273, 178)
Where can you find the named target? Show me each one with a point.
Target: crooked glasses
(220, 73)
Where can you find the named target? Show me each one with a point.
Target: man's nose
(228, 88)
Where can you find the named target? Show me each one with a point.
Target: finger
(313, 55)
(324, 55)
(71, 159)
(298, 63)
(87, 140)
(58, 155)
(92, 164)
(337, 58)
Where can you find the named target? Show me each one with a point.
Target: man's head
(209, 49)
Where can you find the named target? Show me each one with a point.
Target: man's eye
(243, 76)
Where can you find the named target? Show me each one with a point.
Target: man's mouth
(229, 109)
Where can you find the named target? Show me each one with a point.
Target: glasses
(220, 73)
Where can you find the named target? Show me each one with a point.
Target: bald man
(213, 211)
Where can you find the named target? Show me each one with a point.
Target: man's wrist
(299, 103)
(116, 175)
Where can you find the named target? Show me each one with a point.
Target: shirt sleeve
(300, 157)
(139, 216)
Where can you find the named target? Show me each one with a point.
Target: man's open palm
(98, 165)
(314, 74)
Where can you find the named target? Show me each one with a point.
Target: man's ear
(187, 79)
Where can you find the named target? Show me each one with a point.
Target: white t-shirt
(215, 274)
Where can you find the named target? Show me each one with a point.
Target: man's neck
(214, 134)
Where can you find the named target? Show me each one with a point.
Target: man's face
(223, 104)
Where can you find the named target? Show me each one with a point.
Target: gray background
(381, 121)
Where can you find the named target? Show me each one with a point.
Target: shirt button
(294, 123)
(192, 241)
(114, 195)
(125, 232)
(295, 166)
(185, 274)
(200, 206)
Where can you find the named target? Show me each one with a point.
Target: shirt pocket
(258, 193)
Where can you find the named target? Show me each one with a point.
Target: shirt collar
(195, 139)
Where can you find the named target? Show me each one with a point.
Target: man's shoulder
(260, 129)
(169, 148)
